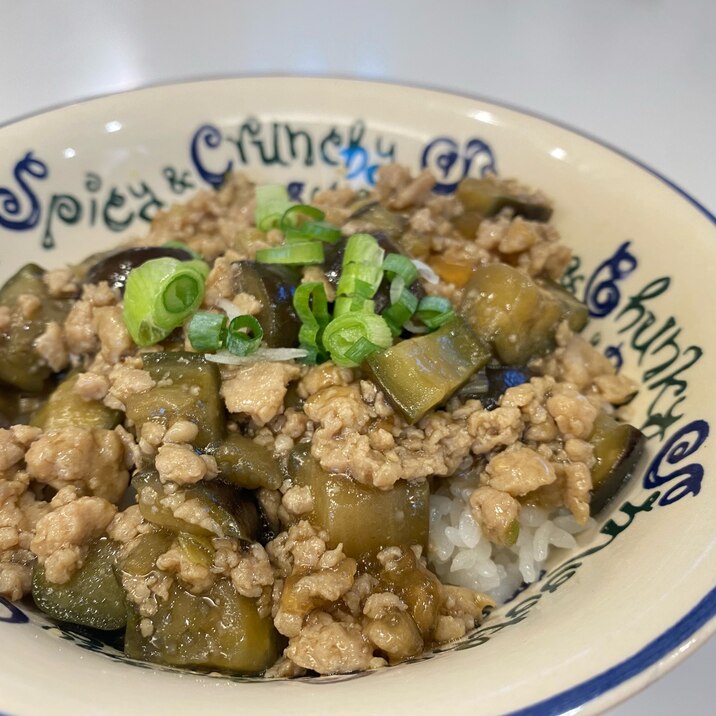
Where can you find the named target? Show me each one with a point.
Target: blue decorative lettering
(208, 136)
(13, 214)
(602, 292)
(450, 164)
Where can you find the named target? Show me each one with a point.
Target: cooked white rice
(460, 554)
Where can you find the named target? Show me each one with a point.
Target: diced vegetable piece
(363, 518)
(617, 449)
(489, 196)
(65, 408)
(244, 463)
(380, 220)
(220, 510)
(217, 630)
(143, 557)
(451, 271)
(93, 596)
(20, 364)
(416, 586)
(511, 312)
(574, 311)
(273, 286)
(189, 390)
(468, 223)
(419, 373)
(115, 267)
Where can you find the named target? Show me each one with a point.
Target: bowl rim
(624, 679)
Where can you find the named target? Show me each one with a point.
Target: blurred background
(637, 74)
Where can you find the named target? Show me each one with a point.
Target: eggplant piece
(20, 364)
(142, 558)
(489, 385)
(363, 518)
(64, 409)
(334, 263)
(511, 312)
(617, 449)
(245, 463)
(467, 224)
(188, 389)
(419, 373)
(380, 221)
(219, 630)
(273, 286)
(115, 267)
(574, 311)
(92, 597)
(419, 588)
(222, 511)
(489, 196)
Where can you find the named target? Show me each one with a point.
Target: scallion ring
(244, 335)
(207, 331)
(345, 330)
(434, 311)
(160, 295)
(396, 265)
(292, 216)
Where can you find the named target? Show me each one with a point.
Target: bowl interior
(85, 177)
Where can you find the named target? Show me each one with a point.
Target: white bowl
(609, 616)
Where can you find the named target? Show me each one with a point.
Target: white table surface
(640, 74)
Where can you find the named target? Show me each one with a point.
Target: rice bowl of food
(320, 392)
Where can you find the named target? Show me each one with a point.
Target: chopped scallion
(292, 216)
(207, 331)
(296, 253)
(160, 295)
(244, 335)
(345, 330)
(272, 202)
(363, 249)
(434, 311)
(397, 265)
(314, 230)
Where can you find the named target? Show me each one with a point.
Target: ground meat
(247, 304)
(91, 386)
(253, 572)
(182, 431)
(298, 500)
(518, 471)
(126, 379)
(128, 525)
(219, 282)
(13, 444)
(330, 647)
(92, 459)
(396, 188)
(259, 389)
(112, 332)
(51, 347)
(577, 486)
(572, 412)
(79, 329)
(323, 376)
(60, 282)
(496, 512)
(494, 428)
(195, 577)
(180, 464)
(62, 534)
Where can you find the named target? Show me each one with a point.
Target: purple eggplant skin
(115, 267)
(274, 286)
(617, 449)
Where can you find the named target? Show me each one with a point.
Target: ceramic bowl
(607, 617)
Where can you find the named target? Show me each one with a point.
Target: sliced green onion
(361, 349)
(355, 304)
(434, 311)
(363, 249)
(297, 253)
(207, 331)
(397, 265)
(272, 202)
(291, 217)
(244, 335)
(315, 230)
(311, 306)
(358, 279)
(160, 295)
(345, 330)
(402, 307)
